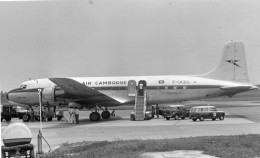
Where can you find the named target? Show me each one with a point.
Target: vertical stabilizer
(232, 66)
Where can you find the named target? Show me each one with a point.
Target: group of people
(74, 115)
(44, 114)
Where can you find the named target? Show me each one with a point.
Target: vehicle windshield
(213, 109)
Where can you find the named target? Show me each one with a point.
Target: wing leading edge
(83, 94)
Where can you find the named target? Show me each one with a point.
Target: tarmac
(238, 121)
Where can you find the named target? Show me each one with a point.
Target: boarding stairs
(140, 106)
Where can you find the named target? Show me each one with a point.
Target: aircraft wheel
(26, 118)
(202, 118)
(94, 116)
(105, 114)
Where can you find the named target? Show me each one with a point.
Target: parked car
(206, 112)
(175, 111)
(8, 112)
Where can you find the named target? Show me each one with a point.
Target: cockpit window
(23, 86)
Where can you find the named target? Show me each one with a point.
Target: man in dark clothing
(157, 110)
(32, 115)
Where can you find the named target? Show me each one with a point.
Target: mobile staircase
(140, 106)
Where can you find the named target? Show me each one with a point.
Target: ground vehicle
(206, 112)
(148, 115)
(175, 111)
(9, 111)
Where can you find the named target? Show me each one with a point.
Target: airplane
(228, 78)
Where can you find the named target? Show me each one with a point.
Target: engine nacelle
(52, 94)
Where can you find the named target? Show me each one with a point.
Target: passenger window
(205, 109)
(213, 109)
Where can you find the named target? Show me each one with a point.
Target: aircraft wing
(83, 94)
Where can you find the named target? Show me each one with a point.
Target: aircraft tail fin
(232, 66)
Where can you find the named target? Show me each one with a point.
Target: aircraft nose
(11, 95)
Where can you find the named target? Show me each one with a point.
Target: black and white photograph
(130, 78)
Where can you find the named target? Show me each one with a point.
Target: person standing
(157, 110)
(32, 115)
(44, 115)
(70, 110)
(77, 115)
(73, 115)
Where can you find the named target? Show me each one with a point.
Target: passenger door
(131, 88)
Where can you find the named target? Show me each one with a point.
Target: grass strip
(239, 146)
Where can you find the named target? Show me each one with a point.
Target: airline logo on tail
(234, 62)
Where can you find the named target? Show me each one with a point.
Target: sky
(92, 38)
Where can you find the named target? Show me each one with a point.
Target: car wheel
(26, 118)
(177, 117)
(167, 118)
(221, 117)
(8, 118)
(194, 119)
(202, 118)
(49, 118)
(213, 119)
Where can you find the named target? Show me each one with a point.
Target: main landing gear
(95, 116)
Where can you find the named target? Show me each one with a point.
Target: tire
(8, 118)
(32, 153)
(183, 118)
(194, 119)
(59, 118)
(26, 118)
(221, 117)
(2, 119)
(105, 115)
(167, 118)
(49, 119)
(201, 118)
(37, 118)
(94, 116)
(177, 117)
(213, 119)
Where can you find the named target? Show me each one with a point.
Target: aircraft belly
(164, 96)
(171, 96)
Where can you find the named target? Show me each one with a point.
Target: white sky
(40, 39)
